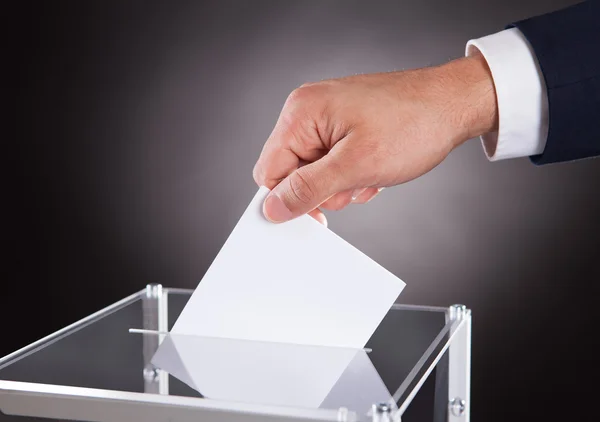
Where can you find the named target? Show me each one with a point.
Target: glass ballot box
(122, 364)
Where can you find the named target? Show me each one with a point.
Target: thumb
(305, 189)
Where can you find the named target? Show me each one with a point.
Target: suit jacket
(567, 46)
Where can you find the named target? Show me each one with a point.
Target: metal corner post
(459, 365)
(155, 318)
(385, 412)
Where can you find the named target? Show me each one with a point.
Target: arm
(341, 141)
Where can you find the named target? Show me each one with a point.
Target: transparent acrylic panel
(279, 374)
(101, 353)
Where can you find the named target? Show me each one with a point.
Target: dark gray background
(136, 127)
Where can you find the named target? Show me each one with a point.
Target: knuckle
(301, 188)
(295, 97)
(301, 94)
(304, 103)
(293, 109)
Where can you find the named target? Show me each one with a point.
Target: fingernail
(371, 198)
(321, 219)
(275, 210)
(356, 193)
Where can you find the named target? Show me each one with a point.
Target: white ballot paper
(295, 284)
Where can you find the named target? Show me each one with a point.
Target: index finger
(276, 161)
(284, 152)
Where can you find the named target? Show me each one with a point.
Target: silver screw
(382, 412)
(457, 312)
(153, 291)
(457, 406)
(342, 415)
(383, 408)
(150, 374)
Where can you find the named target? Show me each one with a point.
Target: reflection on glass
(273, 373)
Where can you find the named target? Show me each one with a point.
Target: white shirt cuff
(520, 92)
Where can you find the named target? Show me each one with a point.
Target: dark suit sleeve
(567, 46)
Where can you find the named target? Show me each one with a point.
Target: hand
(341, 141)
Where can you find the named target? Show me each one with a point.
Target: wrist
(474, 109)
